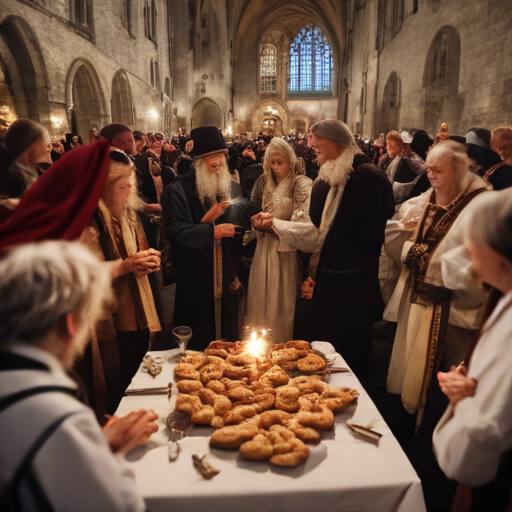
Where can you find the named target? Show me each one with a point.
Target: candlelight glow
(256, 347)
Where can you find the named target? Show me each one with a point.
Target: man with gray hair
(53, 454)
(344, 231)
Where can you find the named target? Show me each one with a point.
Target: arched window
(122, 104)
(268, 71)
(310, 62)
(439, 58)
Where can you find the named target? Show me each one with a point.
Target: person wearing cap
(407, 172)
(185, 202)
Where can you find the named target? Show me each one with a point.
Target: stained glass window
(310, 61)
(268, 68)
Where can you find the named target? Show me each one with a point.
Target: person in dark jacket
(185, 202)
(500, 175)
(351, 201)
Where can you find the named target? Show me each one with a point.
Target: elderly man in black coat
(351, 201)
(206, 188)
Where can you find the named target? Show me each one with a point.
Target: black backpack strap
(10, 499)
(21, 395)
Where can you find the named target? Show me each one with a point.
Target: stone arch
(269, 109)
(207, 112)
(441, 99)
(24, 69)
(122, 100)
(85, 99)
(390, 106)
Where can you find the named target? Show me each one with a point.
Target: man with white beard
(185, 202)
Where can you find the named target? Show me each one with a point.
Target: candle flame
(256, 347)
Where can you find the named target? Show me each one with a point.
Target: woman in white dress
(285, 193)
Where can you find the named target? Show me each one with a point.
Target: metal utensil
(365, 431)
(334, 369)
(178, 423)
(162, 390)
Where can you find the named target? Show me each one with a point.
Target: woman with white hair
(53, 454)
(283, 192)
(473, 440)
(437, 315)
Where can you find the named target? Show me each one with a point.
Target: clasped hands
(262, 222)
(456, 385)
(141, 263)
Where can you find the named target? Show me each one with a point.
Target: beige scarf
(128, 232)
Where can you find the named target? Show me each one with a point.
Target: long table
(345, 472)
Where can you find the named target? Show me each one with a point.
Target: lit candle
(256, 347)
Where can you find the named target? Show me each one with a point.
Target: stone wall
(477, 90)
(208, 56)
(108, 47)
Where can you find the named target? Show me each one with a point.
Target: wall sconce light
(56, 122)
(175, 111)
(153, 114)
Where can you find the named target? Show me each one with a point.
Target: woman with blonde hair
(118, 235)
(284, 192)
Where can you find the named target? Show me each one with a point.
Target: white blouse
(471, 436)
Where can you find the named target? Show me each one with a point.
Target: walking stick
(217, 286)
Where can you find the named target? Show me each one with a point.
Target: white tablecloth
(346, 472)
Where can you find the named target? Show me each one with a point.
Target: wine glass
(182, 334)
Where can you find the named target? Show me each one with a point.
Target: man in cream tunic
(435, 301)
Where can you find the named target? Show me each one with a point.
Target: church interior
(169, 65)
(389, 117)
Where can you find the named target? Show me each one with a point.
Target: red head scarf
(62, 201)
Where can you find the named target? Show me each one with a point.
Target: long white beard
(336, 172)
(212, 187)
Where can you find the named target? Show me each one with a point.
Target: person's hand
(126, 432)
(257, 221)
(262, 221)
(152, 208)
(306, 290)
(223, 230)
(141, 263)
(10, 203)
(266, 222)
(189, 146)
(157, 220)
(456, 385)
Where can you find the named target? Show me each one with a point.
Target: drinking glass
(182, 334)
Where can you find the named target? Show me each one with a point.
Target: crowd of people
(314, 236)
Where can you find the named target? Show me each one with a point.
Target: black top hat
(207, 141)
(483, 156)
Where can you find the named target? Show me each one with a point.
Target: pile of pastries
(268, 407)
